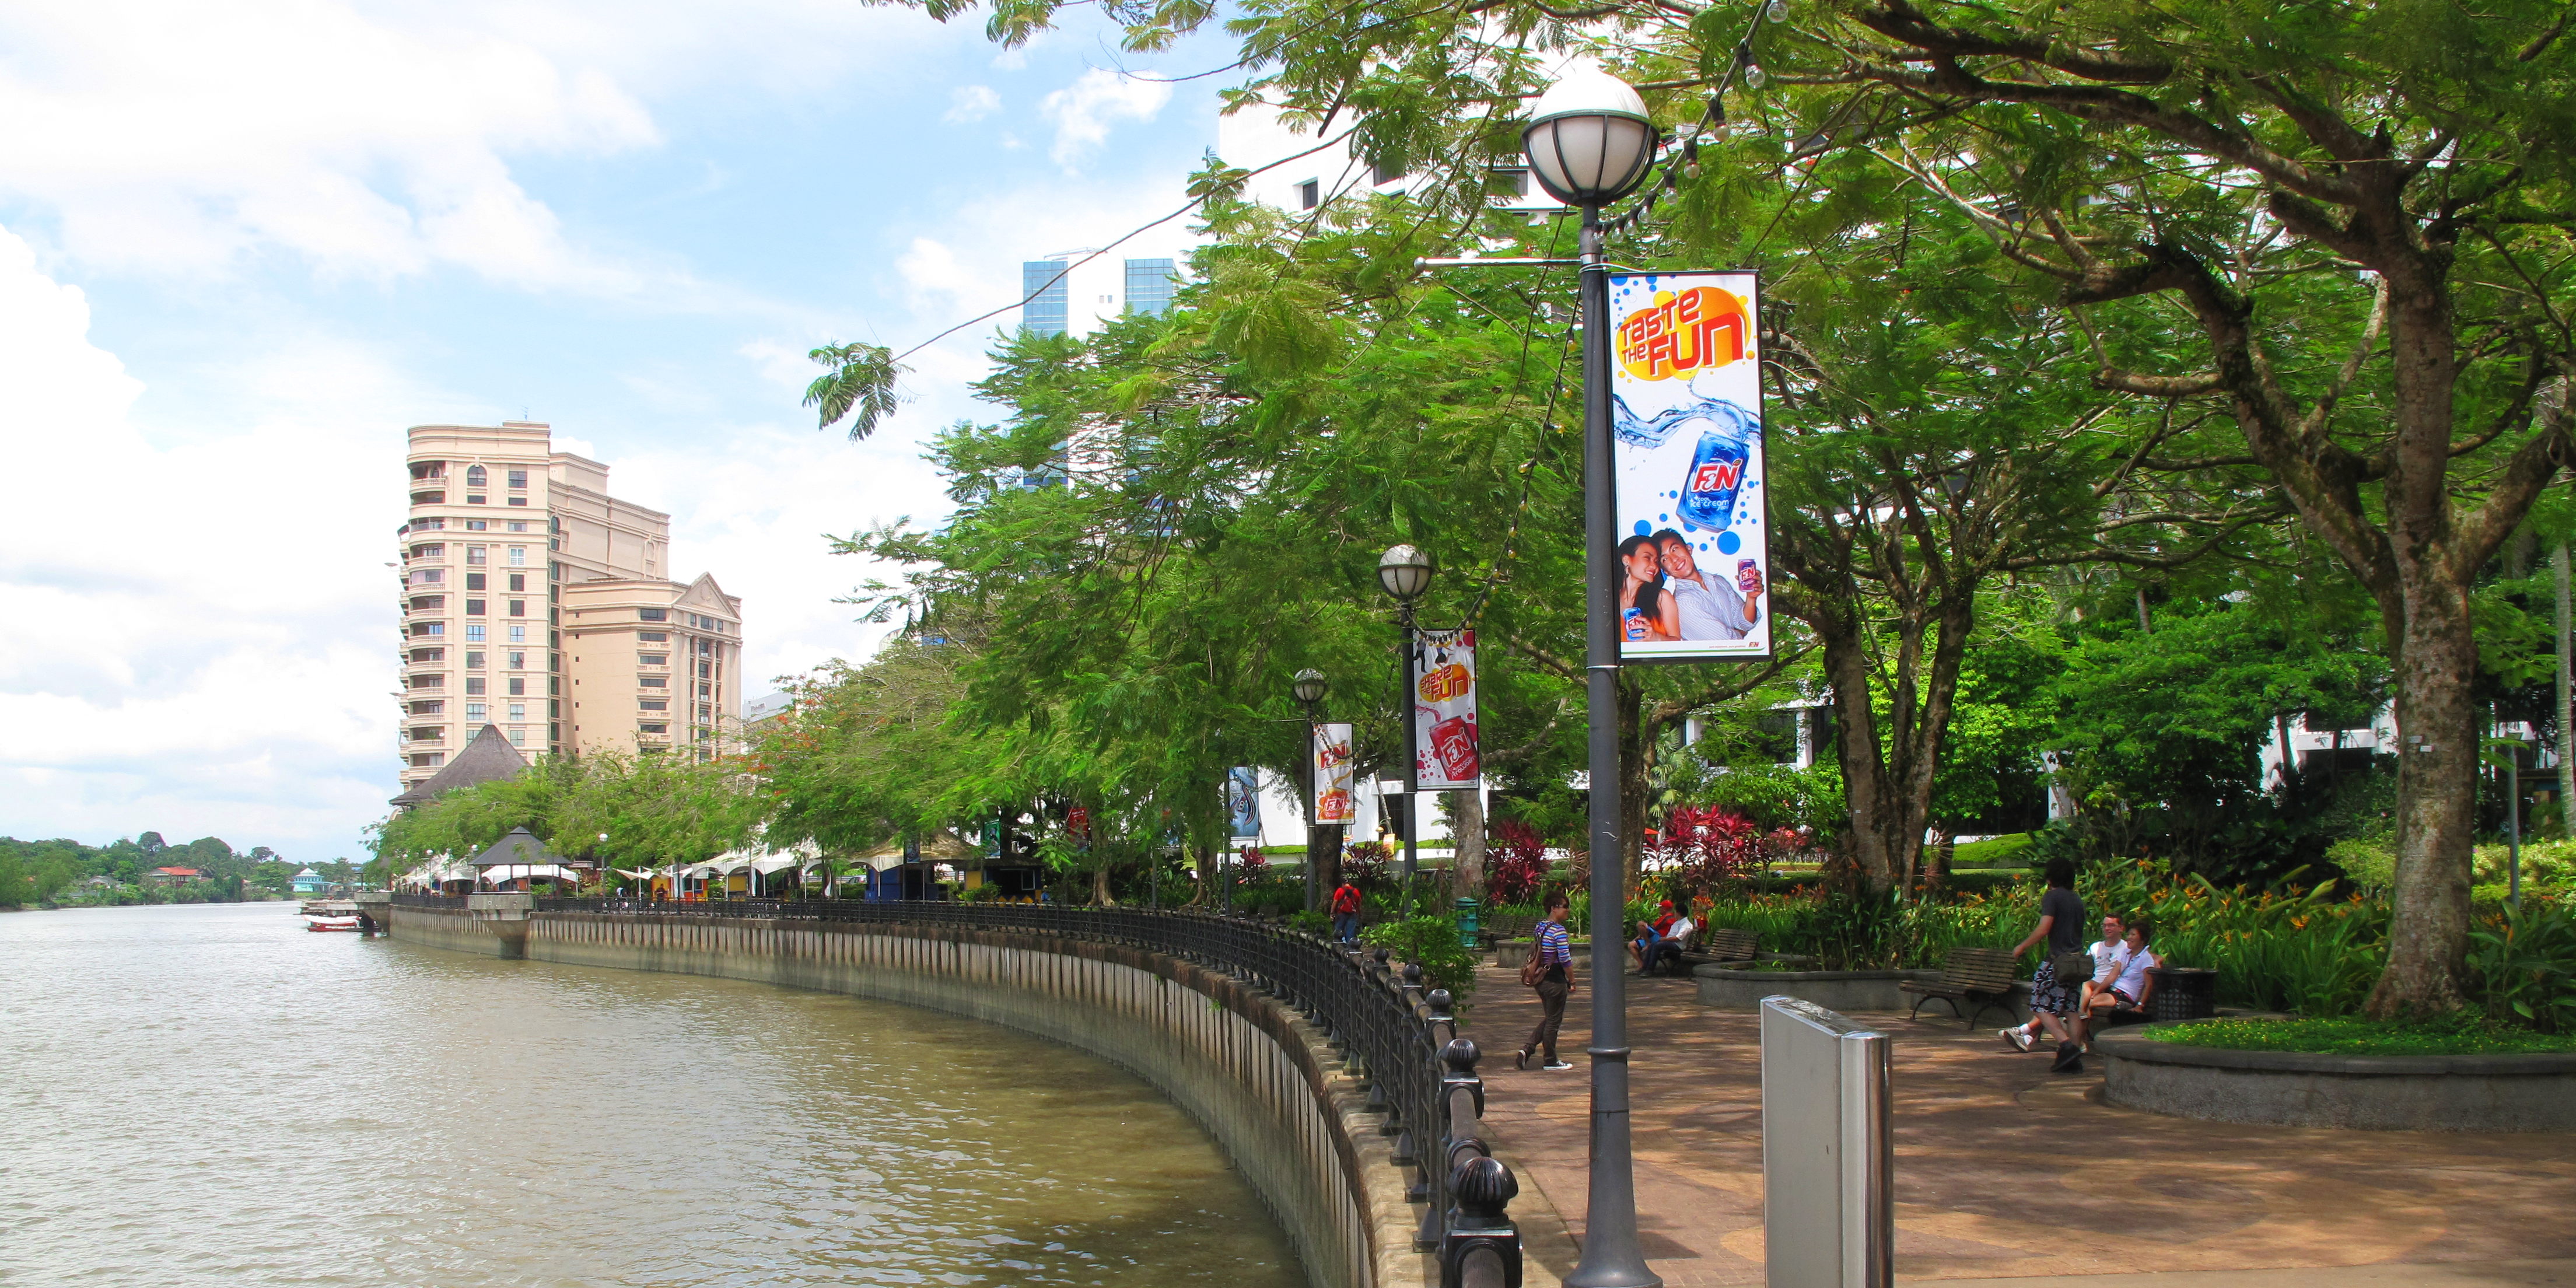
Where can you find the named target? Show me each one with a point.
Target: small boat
(330, 923)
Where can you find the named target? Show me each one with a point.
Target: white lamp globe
(1589, 139)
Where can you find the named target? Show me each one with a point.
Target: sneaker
(2019, 1038)
(1520, 1060)
(1556, 1066)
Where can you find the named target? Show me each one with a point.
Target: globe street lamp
(1309, 691)
(1590, 142)
(1406, 573)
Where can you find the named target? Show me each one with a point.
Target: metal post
(1828, 1196)
(1412, 753)
(1611, 1258)
(1307, 795)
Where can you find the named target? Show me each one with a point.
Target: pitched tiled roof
(488, 758)
(520, 846)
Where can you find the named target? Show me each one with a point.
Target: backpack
(2070, 1058)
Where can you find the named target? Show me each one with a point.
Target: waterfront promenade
(2006, 1171)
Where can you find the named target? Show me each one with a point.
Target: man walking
(1554, 957)
(1346, 912)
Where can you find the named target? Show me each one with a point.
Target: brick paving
(2004, 1170)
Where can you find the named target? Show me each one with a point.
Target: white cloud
(968, 103)
(200, 648)
(1084, 110)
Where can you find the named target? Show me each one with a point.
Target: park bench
(1502, 927)
(1712, 947)
(1983, 976)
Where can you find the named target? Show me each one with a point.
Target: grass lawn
(2359, 1037)
(1989, 854)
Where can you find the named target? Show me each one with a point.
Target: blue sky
(243, 245)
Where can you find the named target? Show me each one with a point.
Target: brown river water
(213, 1095)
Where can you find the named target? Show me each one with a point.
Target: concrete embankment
(1262, 1081)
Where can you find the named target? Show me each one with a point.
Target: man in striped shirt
(1555, 957)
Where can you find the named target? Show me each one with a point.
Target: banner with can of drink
(1334, 803)
(1444, 713)
(1686, 449)
(1243, 803)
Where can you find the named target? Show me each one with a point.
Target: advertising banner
(1686, 446)
(1334, 803)
(1444, 714)
(1243, 803)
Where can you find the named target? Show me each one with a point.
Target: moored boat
(313, 922)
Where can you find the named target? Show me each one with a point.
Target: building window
(1510, 181)
(473, 634)
(653, 614)
(518, 737)
(474, 555)
(429, 552)
(428, 576)
(554, 572)
(432, 707)
(476, 580)
(474, 608)
(518, 608)
(518, 525)
(518, 661)
(478, 525)
(473, 661)
(425, 603)
(653, 704)
(429, 655)
(429, 681)
(1149, 286)
(703, 691)
(518, 556)
(425, 525)
(1310, 194)
(518, 687)
(429, 760)
(518, 711)
(518, 500)
(429, 470)
(648, 659)
(518, 479)
(473, 710)
(706, 671)
(653, 637)
(472, 498)
(518, 581)
(654, 681)
(429, 628)
(653, 728)
(1385, 173)
(1046, 306)
(518, 634)
(477, 476)
(474, 686)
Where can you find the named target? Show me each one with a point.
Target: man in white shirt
(2128, 991)
(1676, 940)
(1707, 612)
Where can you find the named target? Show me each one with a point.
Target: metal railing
(1401, 1038)
(428, 900)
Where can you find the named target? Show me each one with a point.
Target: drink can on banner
(1444, 713)
(1334, 803)
(1687, 467)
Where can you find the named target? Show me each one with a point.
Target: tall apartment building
(1072, 291)
(535, 602)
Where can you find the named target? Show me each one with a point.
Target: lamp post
(1406, 573)
(1309, 691)
(1590, 142)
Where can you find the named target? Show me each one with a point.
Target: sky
(244, 245)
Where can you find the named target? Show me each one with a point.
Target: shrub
(1364, 865)
(1515, 863)
(2526, 964)
(1432, 944)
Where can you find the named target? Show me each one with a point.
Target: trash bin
(1470, 934)
(2183, 993)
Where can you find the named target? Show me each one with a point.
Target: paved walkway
(2006, 1171)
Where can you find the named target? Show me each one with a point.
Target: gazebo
(521, 857)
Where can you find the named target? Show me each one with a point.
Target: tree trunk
(2437, 780)
(1100, 896)
(1467, 833)
(2566, 716)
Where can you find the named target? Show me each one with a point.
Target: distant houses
(309, 881)
(173, 876)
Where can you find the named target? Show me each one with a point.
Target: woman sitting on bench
(2126, 995)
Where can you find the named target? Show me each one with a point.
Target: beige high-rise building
(534, 601)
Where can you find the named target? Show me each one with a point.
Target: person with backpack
(2109, 954)
(1346, 912)
(1550, 971)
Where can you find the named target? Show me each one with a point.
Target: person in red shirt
(1651, 933)
(1346, 913)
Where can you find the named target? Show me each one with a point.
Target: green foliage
(60, 871)
(2464, 1036)
(655, 811)
(1431, 943)
(2526, 963)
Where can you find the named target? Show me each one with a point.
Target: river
(213, 1095)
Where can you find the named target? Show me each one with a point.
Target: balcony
(433, 681)
(429, 498)
(429, 733)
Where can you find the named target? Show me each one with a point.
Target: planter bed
(2515, 1093)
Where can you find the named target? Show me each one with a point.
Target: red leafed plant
(1704, 846)
(1515, 863)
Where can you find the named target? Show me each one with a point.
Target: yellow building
(534, 601)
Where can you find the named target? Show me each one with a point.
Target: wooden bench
(1983, 976)
(1727, 944)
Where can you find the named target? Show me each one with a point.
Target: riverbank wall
(1262, 1081)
